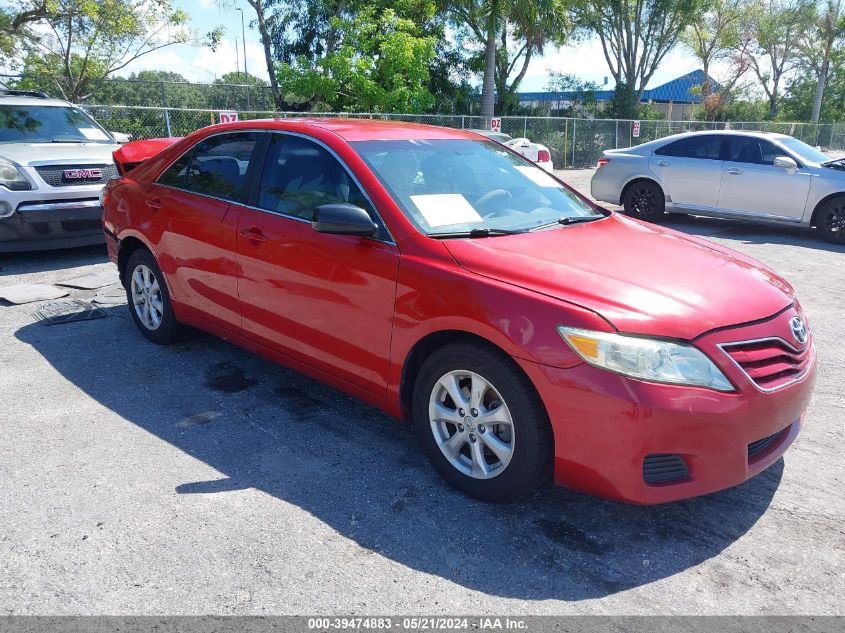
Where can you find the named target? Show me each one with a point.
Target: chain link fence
(573, 142)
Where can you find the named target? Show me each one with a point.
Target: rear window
(706, 147)
(216, 166)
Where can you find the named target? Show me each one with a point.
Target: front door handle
(662, 163)
(153, 203)
(254, 234)
(733, 171)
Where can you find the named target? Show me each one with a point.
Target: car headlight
(12, 178)
(646, 358)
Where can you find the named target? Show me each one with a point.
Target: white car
(749, 175)
(535, 152)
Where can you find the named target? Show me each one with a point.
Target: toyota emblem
(799, 330)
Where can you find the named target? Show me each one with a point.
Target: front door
(752, 185)
(326, 300)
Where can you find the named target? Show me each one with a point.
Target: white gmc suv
(54, 160)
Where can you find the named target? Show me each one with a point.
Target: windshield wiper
(569, 220)
(485, 232)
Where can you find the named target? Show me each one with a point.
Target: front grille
(661, 468)
(770, 363)
(54, 175)
(760, 446)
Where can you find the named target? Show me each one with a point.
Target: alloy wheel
(146, 297)
(833, 223)
(471, 424)
(644, 200)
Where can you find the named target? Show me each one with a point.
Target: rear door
(326, 300)
(191, 203)
(691, 170)
(752, 185)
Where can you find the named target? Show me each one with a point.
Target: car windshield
(456, 185)
(804, 151)
(48, 124)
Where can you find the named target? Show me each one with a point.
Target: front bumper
(605, 425)
(52, 223)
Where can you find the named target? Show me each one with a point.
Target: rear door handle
(253, 234)
(734, 171)
(153, 203)
(662, 163)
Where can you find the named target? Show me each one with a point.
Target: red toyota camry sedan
(525, 332)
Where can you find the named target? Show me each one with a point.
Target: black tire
(644, 200)
(532, 442)
(830, 221)
(168, 329)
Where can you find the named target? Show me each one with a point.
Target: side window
(769, 151)
(174, 176)
(300, 175)
(218, 165)
(707, 147)
(745, 149)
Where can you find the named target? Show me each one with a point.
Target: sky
(584, 60)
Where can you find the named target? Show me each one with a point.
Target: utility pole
(237, 61)
(243, 38)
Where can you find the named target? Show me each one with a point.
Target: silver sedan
(749, 175)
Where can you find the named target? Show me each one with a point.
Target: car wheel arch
(637, 179)
(128, 245)
(426, 346)
(821, 203)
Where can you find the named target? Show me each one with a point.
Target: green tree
(510, 33)
(635, 37)
(714, 36)
(16, 20)
(582, 102)
(818, 45)
(83, 41)
(776, 27)
(378, 63)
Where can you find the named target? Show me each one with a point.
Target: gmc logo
(82, 174)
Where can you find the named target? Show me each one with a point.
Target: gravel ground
(201, 479)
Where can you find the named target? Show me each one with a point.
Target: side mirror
(120, 137)
(785, 162)
(343, 219)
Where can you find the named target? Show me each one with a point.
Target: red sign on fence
(496, 124)
(635, 129)
(228, 117)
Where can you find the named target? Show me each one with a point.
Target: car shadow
(44, 261)
(750, 232)
(360, 472)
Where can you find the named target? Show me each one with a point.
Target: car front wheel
(149, 300)
(831, 221)
(481, 423)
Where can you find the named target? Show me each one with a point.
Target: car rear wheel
(149, 301)
(481, 423)
(831, 221)
(644, 200)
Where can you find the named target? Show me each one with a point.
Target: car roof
(20, 98)
(757, 133)
(359, 129)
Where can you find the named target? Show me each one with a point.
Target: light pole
(243, 38)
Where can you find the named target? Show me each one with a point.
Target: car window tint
(745, 149)
(218, 165)
(768, 151)
(300, 175)
(708, 147)
(174, 176)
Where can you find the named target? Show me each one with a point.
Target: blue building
(676, 98)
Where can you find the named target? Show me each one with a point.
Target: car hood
(642, 278)
(57, 153)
